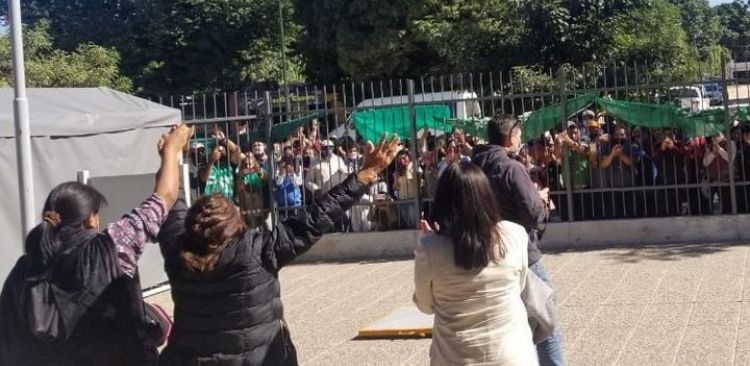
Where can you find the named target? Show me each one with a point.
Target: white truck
(463, 104)
(692, 98)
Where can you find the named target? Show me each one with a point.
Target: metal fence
(273, 153)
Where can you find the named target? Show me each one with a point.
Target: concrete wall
(591, 234)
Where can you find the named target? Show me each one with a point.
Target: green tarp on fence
(372, 123)
(705, 123)
(281, 131)
(547, 118)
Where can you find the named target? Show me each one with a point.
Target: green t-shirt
(221, 180)
(253, 181)
(580, 173)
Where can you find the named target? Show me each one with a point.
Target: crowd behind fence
(273, 153)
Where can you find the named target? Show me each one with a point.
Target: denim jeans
(407, 215)
(550, 351)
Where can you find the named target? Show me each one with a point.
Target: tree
(700, 23)
(475, 35)
(317, 44)
(653, 37)
(735, 23)
(179, 46)
(572, 31)
(88, 65)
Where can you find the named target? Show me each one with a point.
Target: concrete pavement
(666, 305)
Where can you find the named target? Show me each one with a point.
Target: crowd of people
(619, 171)
(610, 170)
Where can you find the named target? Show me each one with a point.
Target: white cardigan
(479, 316)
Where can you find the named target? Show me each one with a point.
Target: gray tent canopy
(84, 111)
(109, 133)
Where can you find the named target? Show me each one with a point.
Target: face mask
(325, 154)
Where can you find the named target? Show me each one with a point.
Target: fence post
(728, 126)
(413, 147)
(271, 163)
(563, 122)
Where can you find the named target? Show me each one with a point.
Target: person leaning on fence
(288, 182)
(716, 160)
(742, 169)
(406, 184)
(252, 194)
(616, 164)
(518, 201)
(471, 274)
(224, 276)
(74, 298)
(220, 173)
(581, 158)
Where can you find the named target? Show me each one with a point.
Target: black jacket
(78, 310)
(232, 315)
(516, 195)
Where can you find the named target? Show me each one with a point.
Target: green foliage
(735, 23)
(88, 65)
(185, 46)
(653, 36)
(179, 46)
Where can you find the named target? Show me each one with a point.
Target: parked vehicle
(463, 104)
(691, 98)
(714, 93)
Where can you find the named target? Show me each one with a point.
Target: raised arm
(131, 233)
(292, 237)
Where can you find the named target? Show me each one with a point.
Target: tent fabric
(371, 124)
(704, 123)
(104, 152)
(84, 111)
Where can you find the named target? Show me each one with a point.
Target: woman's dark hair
(66, 210)
(212, 223)
(465, 210)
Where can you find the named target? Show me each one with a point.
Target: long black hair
(66, 210)
(465, 210)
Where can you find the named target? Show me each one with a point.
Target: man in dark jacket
(519, 202)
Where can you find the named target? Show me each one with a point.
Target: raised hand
(176, 140)
(378, 158)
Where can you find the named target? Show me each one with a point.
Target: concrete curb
(559, 236)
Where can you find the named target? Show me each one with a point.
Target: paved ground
(681, 305)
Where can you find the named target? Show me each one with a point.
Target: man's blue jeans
(550, 351)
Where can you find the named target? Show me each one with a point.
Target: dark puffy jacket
(79, 310)
(232, 315)
(519, 201)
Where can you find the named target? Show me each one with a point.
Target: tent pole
(21, 114)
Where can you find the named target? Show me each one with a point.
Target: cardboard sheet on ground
(404, 322)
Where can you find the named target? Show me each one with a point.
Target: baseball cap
(592, 123)
(571, 124)
(589, 113)
(327, 143)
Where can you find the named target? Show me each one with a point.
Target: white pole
(21, 114)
